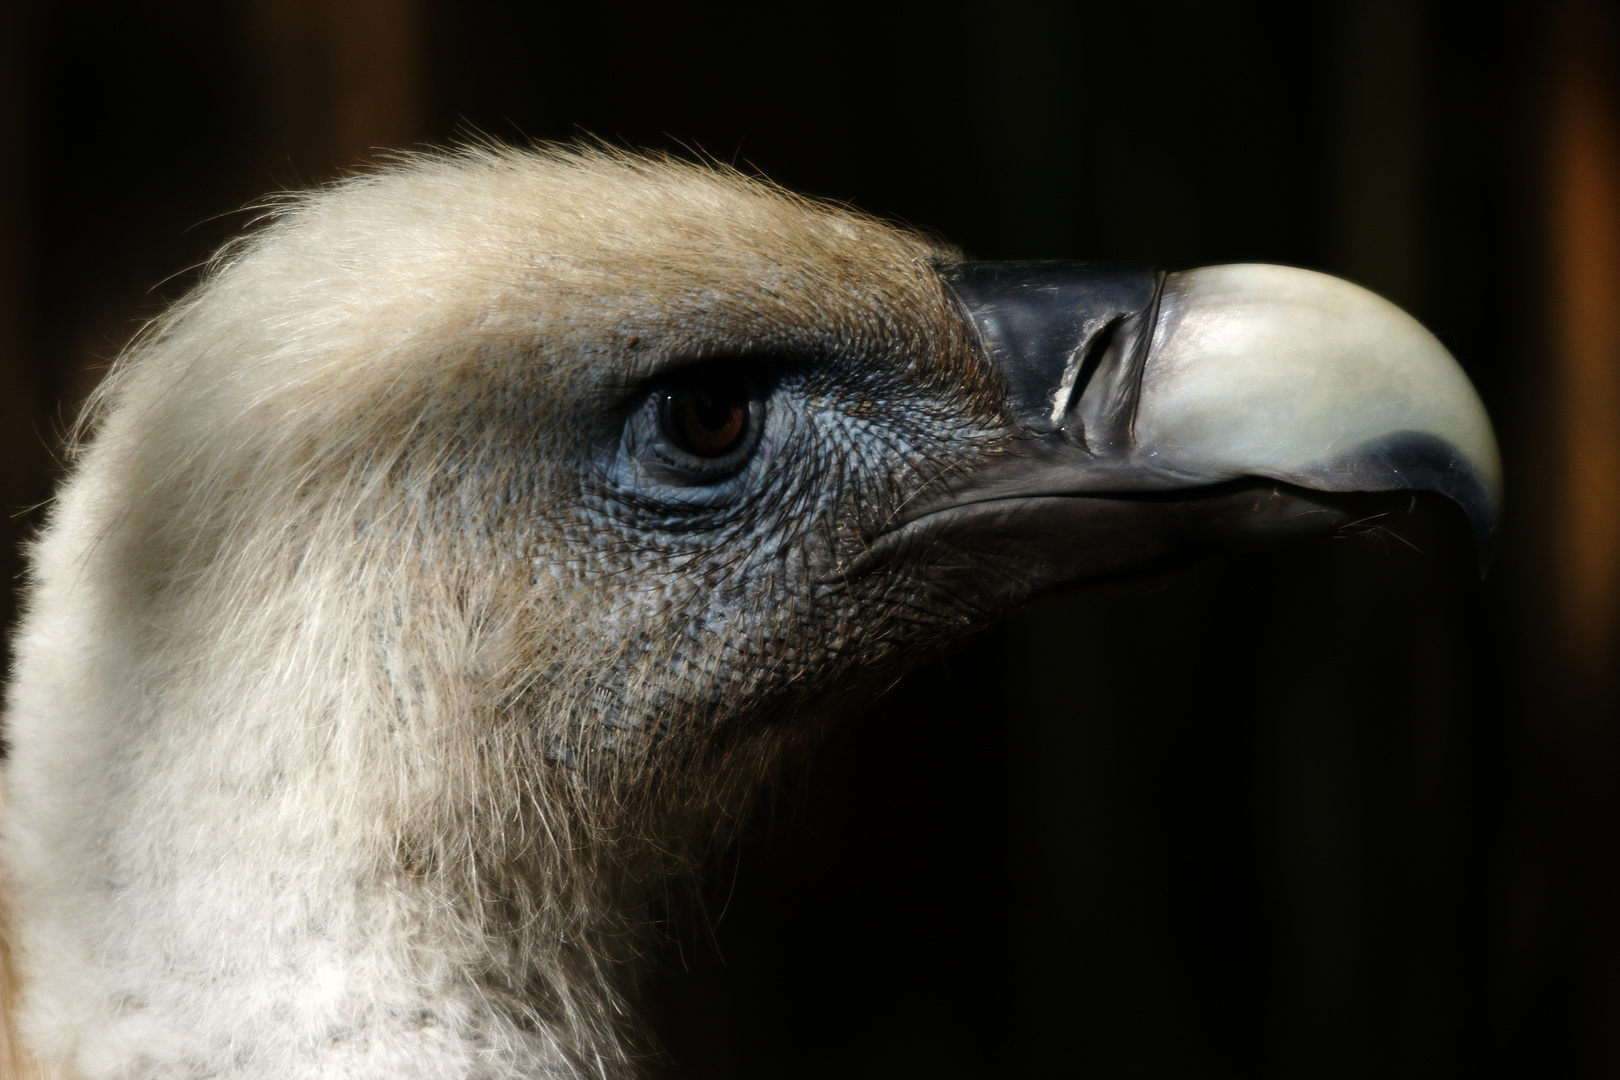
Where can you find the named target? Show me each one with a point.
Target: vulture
(437, 581)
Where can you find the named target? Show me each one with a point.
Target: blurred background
(1336, 811)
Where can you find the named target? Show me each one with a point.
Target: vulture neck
(324, 842)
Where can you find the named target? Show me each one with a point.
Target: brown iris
(708, 419)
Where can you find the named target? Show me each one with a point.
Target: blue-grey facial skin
(721, 595)
(718, 555)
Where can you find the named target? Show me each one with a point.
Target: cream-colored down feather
(315, 638)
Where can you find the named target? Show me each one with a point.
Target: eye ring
(708, 421)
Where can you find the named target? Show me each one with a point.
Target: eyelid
(649, 366)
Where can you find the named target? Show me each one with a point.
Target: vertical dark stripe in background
(24, 435)
(1377, 176)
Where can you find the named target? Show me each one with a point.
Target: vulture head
(441, 576)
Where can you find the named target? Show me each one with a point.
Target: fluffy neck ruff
(338, 748)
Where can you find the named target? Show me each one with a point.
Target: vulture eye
(708, 417)
(697, 429)
(702, 425)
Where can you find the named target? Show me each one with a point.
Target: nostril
(1068, 338)
(1067, 418)
(1098, 412)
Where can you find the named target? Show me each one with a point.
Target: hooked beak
(1161, 415)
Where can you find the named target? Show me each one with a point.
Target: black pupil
(708, 419)
(711, 411)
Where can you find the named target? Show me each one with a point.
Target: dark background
(1338, 811)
